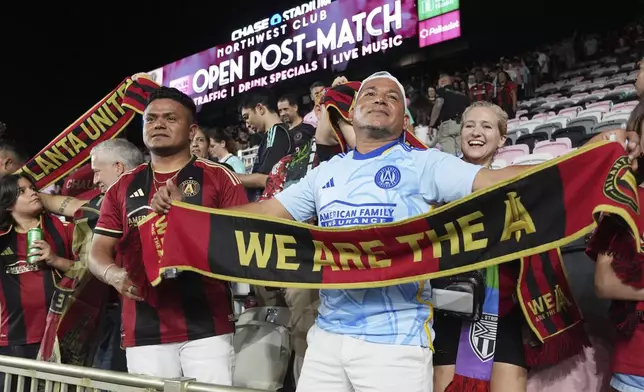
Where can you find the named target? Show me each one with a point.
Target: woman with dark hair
(199, 144)
(28, 276)
(224, 148)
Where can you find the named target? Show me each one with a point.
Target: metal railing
(53, 377)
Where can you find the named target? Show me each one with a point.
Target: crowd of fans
(465, 114)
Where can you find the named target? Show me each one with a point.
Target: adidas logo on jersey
(329, 184)
(7, 252)
(138, 193)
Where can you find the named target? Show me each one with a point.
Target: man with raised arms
(377, 339)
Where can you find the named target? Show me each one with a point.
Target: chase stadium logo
(621, 185)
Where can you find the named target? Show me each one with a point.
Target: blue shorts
(627, 383)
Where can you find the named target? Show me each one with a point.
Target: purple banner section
(320, 34)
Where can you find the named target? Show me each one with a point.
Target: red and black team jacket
(26, 289)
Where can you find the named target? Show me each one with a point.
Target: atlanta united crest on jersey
(389, 184)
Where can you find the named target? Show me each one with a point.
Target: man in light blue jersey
(373, 339)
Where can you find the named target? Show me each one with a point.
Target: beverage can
(35, 234)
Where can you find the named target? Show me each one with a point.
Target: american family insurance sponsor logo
(439, 29)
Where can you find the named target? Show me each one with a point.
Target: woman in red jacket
(27, 276)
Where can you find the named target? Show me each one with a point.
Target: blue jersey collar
(378, 151)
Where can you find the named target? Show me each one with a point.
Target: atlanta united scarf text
(105, 120)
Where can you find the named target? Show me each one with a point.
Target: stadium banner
(544, 208)
(431, 8)
(439, 29)
(105, 120)
(316, 35)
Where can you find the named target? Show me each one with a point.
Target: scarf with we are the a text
(542, 205)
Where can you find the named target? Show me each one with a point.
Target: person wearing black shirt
(446, 114)
(258, 109)
(288, 110)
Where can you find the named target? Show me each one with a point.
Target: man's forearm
(101, 257)
(254, 180)
(270, 207)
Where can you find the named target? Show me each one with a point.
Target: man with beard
(183, 328)
(289, 114)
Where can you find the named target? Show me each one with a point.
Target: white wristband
(104, 276)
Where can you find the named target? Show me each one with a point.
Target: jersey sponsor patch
(339, 213)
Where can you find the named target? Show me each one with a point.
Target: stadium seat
(603, 106)
(553, 147)
(513, 123)
(608, 125)
(248, 156)
(570, 112)
(553, 124)
(594, 97)
(510, 153)
(580, 88)
(498, 164)
(574, 133)
(617, 116)
(627, 67)
(526, 127)
(615, 81)
(596, 85)
(543, 115)
(532, 159)
(631, 77)
(531, 139)
(622, 94)
(587, 119)
(520, 113)
(625, 107)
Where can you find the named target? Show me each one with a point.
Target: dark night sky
(59, 60)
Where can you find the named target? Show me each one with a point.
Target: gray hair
(119, 150)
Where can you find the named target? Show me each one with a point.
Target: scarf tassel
(613, 237)
(557, 348)
(467, 384)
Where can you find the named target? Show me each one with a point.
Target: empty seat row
(530, 159)
(593, 119)
(553, 148)
(556, 102)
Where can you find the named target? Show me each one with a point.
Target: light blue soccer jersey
(389, 184)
